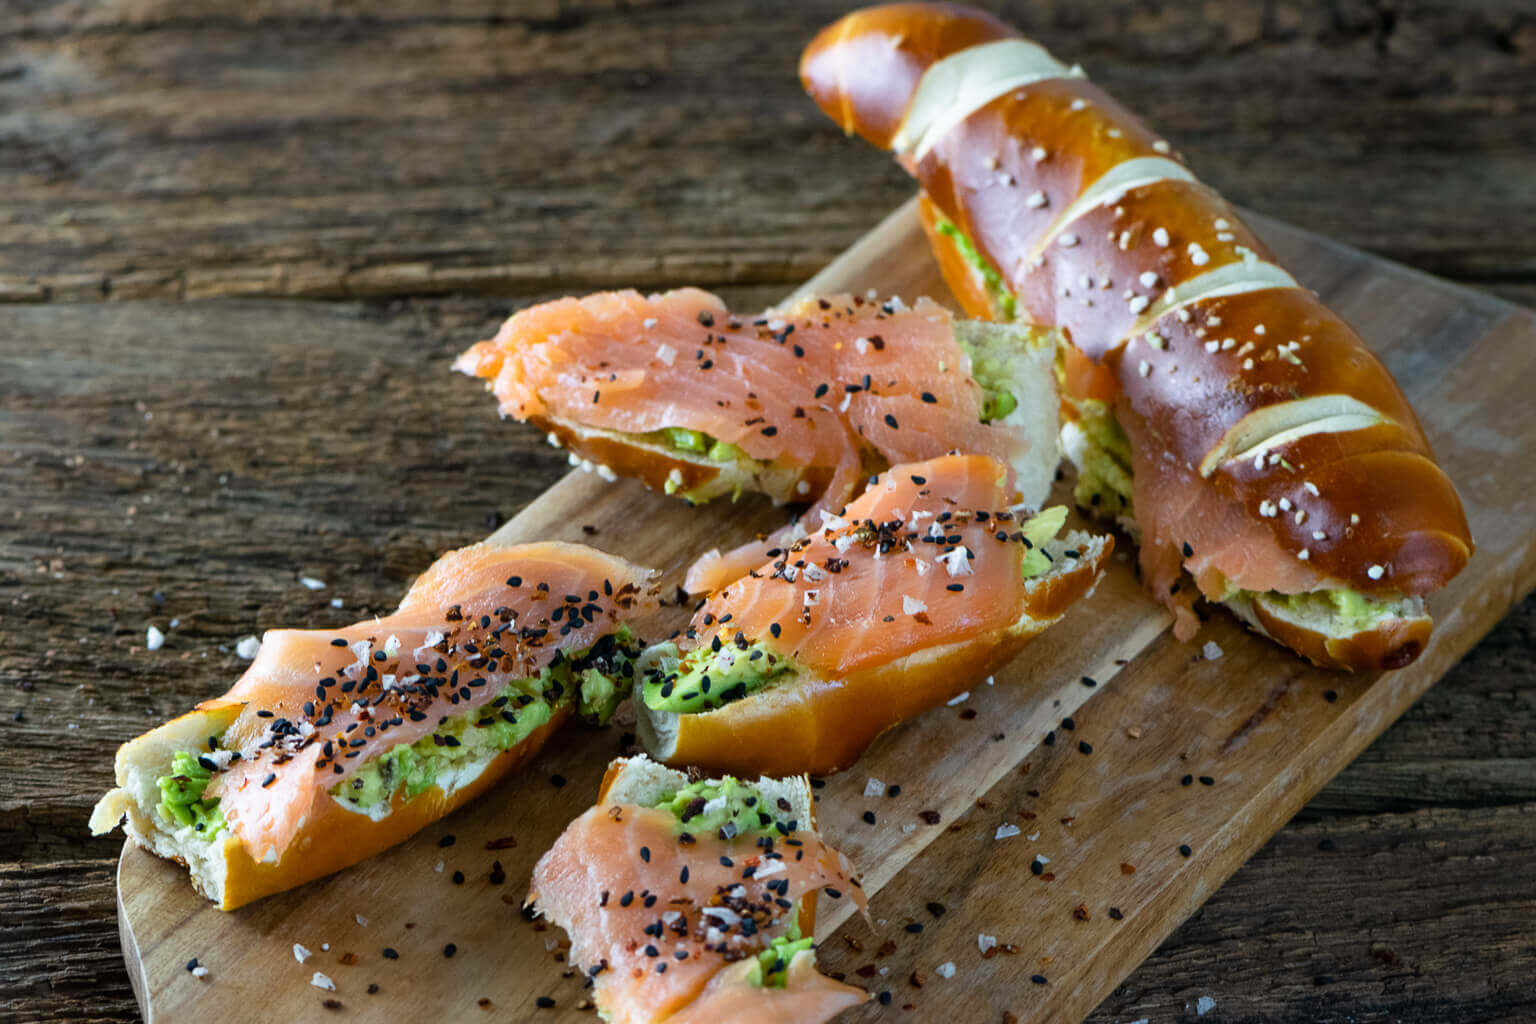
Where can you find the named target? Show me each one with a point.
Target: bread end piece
(1391, 642)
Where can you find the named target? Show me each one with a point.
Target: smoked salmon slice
(685, 901)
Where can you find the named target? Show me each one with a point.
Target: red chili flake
(1081, 913)
(1127, 869)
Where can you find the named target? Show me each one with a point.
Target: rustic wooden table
(403, 177)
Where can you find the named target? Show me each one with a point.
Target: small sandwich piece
(1257, 450)
(921, 587)
(801, 403)
(336, 744)
(693, 902)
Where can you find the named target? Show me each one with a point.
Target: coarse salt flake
(300, 953)
(1006, 831)
(1376, 572)
(666, 353)
(154, 639)
(874, 787)
(958, 699)
(911, 605)
(1211, 650)
(321, 981)
(248, 647)
(945, 969)
(985, 942)
(1036, 200)
(1160, 236)
(311, 583)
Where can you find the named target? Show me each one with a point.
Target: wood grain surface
(1140, 773)
(451, 162)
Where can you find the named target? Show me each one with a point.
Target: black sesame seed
(1206, 780)
(544, 1003)
(869, 817)
(391, 953)
(1184, 850)
(449, 950)
(1085, 746)
(1330, 696)
(1115, 914)
(557, 780)
(1187, 780)
(645, 854)
(447, 840)
(936, 909)
(1050, 738)
(885, 998)
(458, 878)
(1036, 868)
(1090, 682)
(1038, 979)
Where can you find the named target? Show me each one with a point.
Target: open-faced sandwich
(336, 744)
(693, 900)
(1261, 455)
(801, 403)
(918, 589)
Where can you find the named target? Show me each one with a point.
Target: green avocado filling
(596, 679)
(1002, 299)
(733, 809)
(1351, 609)
(772, 967)
(181, 796)
(990, 371)
(711, 675)
(1038, 531)
(725, 806)
(1104, 476)
(695, 442)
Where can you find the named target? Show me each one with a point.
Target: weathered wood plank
(263, 149)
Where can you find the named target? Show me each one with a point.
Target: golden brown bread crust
(335, 838)
(892, 45)
(1393, 644)
(1005, 175)
(821, 726)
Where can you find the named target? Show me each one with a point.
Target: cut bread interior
(1014, 365)
(137, 801)
(643, 782)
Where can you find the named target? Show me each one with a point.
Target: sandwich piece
(801, 404)
(336, 744)
(920, 588)
(692, 902)
(1262, 457)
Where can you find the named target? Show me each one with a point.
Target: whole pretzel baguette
(1265, 451)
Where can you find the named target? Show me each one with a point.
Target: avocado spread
(711, 675)
(772, 968)
(696, 442)
(1002, 301)
(726, 806)
(1038, 530)
(597, 679)
(181, 796)
(1350, 609)
(990, 372)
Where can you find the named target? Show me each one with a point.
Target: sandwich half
(336, 744)
(924, 585)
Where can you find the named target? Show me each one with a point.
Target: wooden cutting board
(1173, 770)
